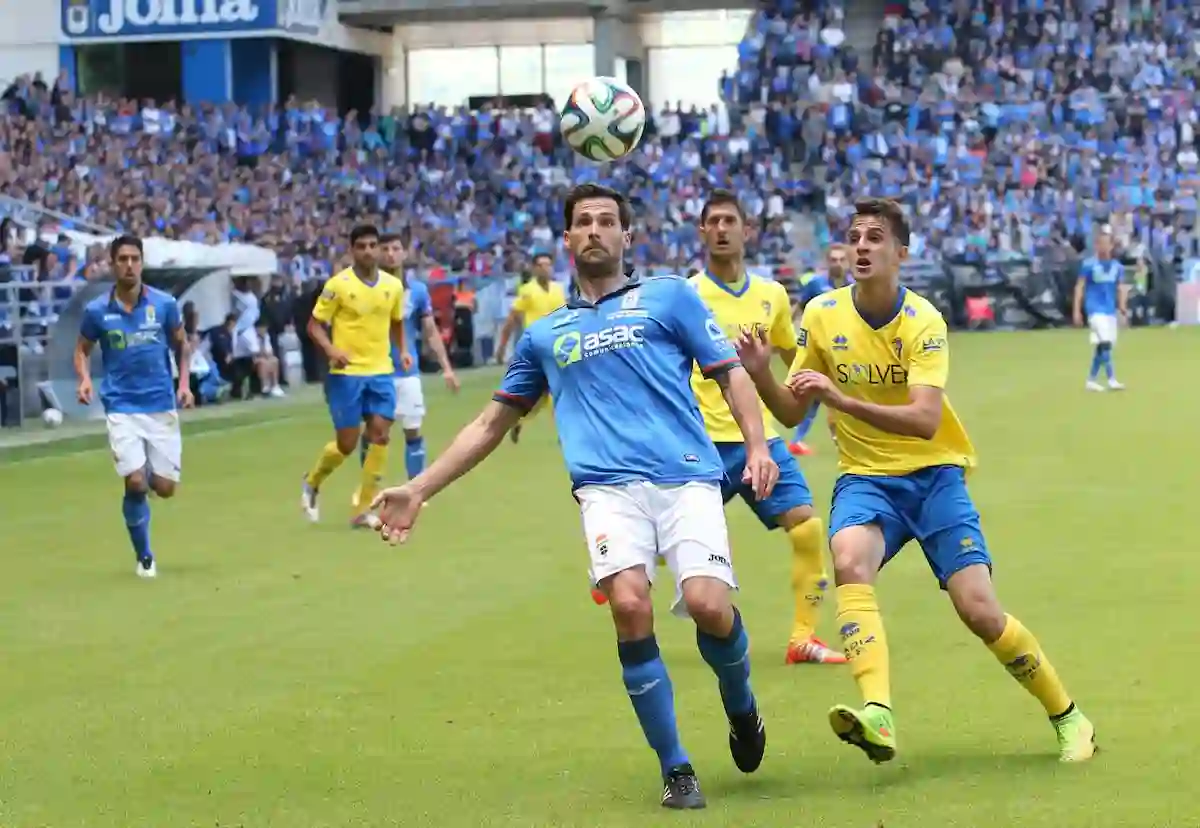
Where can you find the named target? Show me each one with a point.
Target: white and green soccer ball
(603, 119)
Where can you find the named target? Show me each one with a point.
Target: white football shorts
(410, 402)
(1103, 327)
(138, 439)
(632, 524)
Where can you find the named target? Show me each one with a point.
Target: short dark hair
(388, 238)
(888, 210)
(124, 240)
(539, 256)
(720, 198)
(586, 191)
(363, 231)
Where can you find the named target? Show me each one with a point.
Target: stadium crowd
(1006, 127)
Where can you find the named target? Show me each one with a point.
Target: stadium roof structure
(397, 12)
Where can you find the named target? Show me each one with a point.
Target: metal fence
(1024, 293)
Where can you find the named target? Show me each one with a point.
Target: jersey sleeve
(524, 382)
(521, 300)
(422, 303)
(327, 303)
(808, 353)
(782, 333)
(172, 320)
(698, 332)
(397, 314)
(930, 363)
(89, 328)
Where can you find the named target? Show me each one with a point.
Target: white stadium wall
(29, 39)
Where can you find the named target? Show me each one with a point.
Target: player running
(137, 328)
(813, 285)
(358, 316)
(1103, 294)
(618, 360)
(741, 301)
(877, 354)
(535, 299)
(418, 324)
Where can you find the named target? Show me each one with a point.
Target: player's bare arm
(83, 369)
(1077, 304)
(318, 332)
(919, 417)
(511, 323)
(754, 350)
(183, 361)
(398, 507)
(738, 390)
(434, 339)
(400, 340)
(1123, 301)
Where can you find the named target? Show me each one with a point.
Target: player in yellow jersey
(535, 299)
(357, 318)
(740, 301)
(877, 354)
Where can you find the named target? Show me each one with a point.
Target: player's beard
(597, 267)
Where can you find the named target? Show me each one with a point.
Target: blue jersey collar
(876, 324)
(576, 301)
(116, 305)
(725, 286)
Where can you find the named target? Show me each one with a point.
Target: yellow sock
(864, 642)
(1022, 656)
(374, 465)
(809, 580)
(326, 465)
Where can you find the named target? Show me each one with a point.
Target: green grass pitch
(282, 674)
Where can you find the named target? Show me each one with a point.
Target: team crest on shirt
(150, 315)
(898, 347)
(766, 306)
(632, 300)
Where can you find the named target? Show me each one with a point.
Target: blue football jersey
(135, 348)
(813, 285)
(619, 372)
(417, 305)
(1102, 280)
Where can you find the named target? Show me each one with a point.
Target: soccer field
(282, 674)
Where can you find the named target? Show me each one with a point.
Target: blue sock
(730, 659)
(806, 424)
(1097, 362)
(653, 699)
(136, 509)
(1109, 369)
(414, 456)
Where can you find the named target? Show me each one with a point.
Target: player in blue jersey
(617, 363)
(137, 327)
(418, 325)
(813, 285)
(1102, 293)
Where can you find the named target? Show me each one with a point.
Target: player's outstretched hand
(761, 472)
(84, 392)
(808, 383)
(754, 349)
(406, 362)
(452, 382)
(397, 509)
(185, 397)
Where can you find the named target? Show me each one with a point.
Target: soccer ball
(52, 417)
(603, 119)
